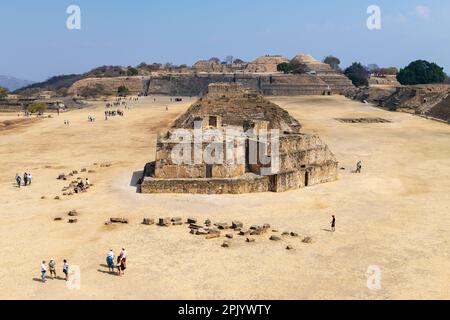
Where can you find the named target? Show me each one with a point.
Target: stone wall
(277, 84)
(109, 85)
(206, 186)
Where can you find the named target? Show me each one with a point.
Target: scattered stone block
(275, 231)
(208, 223)
(119, 220)
(289, 247)
(91, 171)
(61, 176)
(213, 231)
(58, 219)
(212, 236)
(201, 232)
(176, 219)
(164, 222)
(73, 220)
(57, 198)
(236, 225)
(307, 240)
(148, 221)
(177, 223)
(73, 213)
(74, 172)
(226, 244)
(286, 233)
(255, 227)
(244, 232)
(223, 226)
(230, 236)
(192, 220)
(195, 226)
(294, 234)
(193, 231)
(275, 238)
(250, 240)
(266, 226)
(43, 198)
(83, 170)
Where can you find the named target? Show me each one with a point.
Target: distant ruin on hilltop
(260, 75)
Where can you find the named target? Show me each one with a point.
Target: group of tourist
(67, 122)
(120, 264)
(91, 118)
(27, 178)
(52, 270)
(113, 113)
(82, 186)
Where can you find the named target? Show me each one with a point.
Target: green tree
(37, 107)
(132, 72)
(421, 72)
(357, 74)
(123, 91)
(333, 62)
(3, 93)
(285, 67)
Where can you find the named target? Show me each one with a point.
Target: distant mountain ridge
(12, 83)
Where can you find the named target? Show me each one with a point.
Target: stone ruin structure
(260, 75)
(301, 159)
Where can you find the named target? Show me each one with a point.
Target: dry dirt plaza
(394, 215)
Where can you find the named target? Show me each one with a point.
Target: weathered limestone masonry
(304, 160)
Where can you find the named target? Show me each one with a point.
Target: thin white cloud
(423, 12)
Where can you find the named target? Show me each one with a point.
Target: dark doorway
(209, 171)
(213, 122)
(247, 155)
(306, 179)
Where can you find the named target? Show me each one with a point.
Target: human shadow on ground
(108, 272)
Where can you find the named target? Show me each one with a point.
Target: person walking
(43, 271)
(29, 178)
(18, 180)
(333, 223)
(110, 260)
(52, 268)
(25, 179)
(358, 167)
(66, 270)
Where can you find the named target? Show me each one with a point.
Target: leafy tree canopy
(358, 74)
(37, 107)
(333, 62)
(421, 72)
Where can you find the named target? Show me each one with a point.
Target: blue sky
(37, 44)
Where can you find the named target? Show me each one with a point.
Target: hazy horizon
(39, 45)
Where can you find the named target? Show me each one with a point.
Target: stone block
(164, 222)
(275, 238)
(192, 220)
(148, 221)
(119, 220)
(237, 224)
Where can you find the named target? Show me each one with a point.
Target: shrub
(123, 91)
(37, 107)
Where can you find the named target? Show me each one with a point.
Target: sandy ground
(394, 215)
